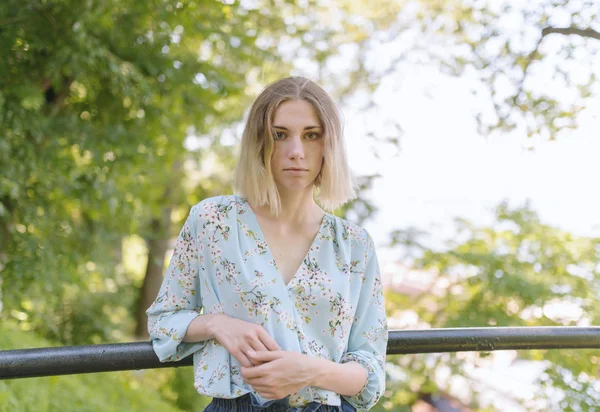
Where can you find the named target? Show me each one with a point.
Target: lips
(297, 169)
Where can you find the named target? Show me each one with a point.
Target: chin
(294, 186)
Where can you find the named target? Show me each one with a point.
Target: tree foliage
(537, 60)
(534, 64)
(518, 272)
(96, 99)
(115, 116)
(98, 104)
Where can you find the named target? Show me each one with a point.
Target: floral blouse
(332, 308)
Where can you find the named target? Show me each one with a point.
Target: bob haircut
(253, 177)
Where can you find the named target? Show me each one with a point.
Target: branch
(41, 11)
(572, 30)
(11, 20)
(534, 55)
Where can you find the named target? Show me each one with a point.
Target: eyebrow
(306, 128)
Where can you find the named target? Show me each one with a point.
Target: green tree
(515, 273)
(96, 99)
(97, 103)
(536, 62)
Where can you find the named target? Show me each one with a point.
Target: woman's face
(299, 145)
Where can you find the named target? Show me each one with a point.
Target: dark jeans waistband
(248, 403)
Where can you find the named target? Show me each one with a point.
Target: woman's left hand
(281, 373)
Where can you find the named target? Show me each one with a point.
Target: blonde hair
(253, 178)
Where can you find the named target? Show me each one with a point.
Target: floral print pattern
(332, 307)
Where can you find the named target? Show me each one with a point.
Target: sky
(445, 169)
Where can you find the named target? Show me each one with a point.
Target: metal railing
(66, 360)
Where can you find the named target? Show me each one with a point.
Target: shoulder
(218, 201)
(349, 234)
(215, 209)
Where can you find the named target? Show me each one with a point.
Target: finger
(263, 387)
(248, 350)
(257, 346)
(243, 359)
(257, 383)
(267, 340)
(267, 395)
(254, 372)
(265, 356)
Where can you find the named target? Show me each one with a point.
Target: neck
(296, 208)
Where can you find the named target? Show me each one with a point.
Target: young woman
(293, 313)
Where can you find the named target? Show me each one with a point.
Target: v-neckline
(261, 234)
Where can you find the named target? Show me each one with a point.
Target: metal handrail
(67, 360)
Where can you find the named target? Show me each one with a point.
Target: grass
(111, 391)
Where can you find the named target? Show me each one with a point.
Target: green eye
(311, 135)
(279, 135)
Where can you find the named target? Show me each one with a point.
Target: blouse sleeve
(367, 344)
(178, 301)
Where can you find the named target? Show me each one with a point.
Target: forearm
(342, 378)
(201, 328)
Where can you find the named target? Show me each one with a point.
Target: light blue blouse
(332, 308)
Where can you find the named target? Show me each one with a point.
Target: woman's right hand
(238, 337)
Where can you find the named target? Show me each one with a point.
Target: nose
(296, 148)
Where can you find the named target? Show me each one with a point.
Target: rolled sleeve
(367, 344)
(178, 301)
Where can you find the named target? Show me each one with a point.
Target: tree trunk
(158, 244)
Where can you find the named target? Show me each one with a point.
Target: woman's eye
(311, 135)
(279, 135)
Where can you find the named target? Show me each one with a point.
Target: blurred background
(472, 125)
